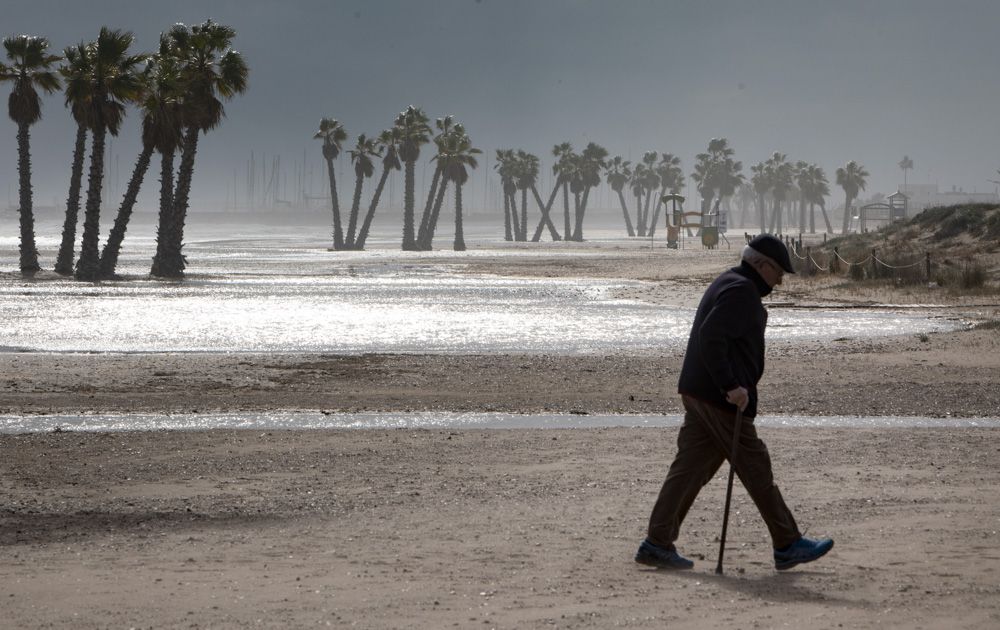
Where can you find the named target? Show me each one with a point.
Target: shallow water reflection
(435, 420)
(379, 309)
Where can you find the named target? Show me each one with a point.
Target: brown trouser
(703, 443)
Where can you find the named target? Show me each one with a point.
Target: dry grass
(961, 244)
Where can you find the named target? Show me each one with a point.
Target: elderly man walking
(722, 366)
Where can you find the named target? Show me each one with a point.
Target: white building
(923, 196)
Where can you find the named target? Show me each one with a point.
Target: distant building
(922, 196)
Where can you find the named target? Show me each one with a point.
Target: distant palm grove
(178, 93)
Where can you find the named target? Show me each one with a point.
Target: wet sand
(499, 528)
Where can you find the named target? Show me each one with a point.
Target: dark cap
(773, 248)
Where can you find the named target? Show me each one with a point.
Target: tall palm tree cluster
(399, 148)
(654, 176)
(787, 193)
(575, 173)
(178, 92)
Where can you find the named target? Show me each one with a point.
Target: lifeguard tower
(895, 208)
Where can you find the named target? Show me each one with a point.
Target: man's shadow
(777, 587)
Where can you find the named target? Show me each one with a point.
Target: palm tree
(591, 164)
(671, 179)
(210, 69)
(434, 196)
(30, 71)
(852, 177)
(907, 165)
(528, 170)
(505, 167)
(729, 177)
(414, 132)
(761, 181)
(388, 148)
(77, 75)
(801, 175)
(818, 188)
(458, 157)
(455, 153)
(635, 184)
(115, 82)
(170, 91)
(649, 182)
(332, 133)
(781, 182)
(364, 168)
(160, 104)
(618, 172)
(717, 175)
(564, 169)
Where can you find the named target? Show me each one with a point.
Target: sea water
(258, 292)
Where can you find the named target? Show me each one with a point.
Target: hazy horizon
(820, 82)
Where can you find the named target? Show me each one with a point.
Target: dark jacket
(726, 347)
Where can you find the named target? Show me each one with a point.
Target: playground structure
(694, 223)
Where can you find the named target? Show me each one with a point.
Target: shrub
(993, 226)
(972, 276)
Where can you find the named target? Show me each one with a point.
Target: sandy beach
(502, 528)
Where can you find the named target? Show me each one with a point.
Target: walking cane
(729, 488)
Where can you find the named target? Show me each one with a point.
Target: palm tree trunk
(367, 223)
(338, 231)
(566, 227)
(546, 219)
(762, 210)
(847, 214)
(408, 237)
(576, 213)
(645, 211)
(515, 221)
(640, 218)
(775, 213)
(459, 233)
(524, 214)
(109, 257)
(429, 206)
(802, 215)
(29, 254)
(628, 219)
(826, 219)
(581, 210)
(656, 213)
(812, 217)
(427, 242)
(166, 211)
(508, 233)
(88, 266)
(173, 262)
(355, 211)
(64, 261)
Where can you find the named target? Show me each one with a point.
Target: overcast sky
(824, 82)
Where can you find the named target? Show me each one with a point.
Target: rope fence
(835, 260)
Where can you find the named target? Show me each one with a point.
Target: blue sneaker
(801, 551)
(655, 556)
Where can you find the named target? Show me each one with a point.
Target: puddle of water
(436, 420)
